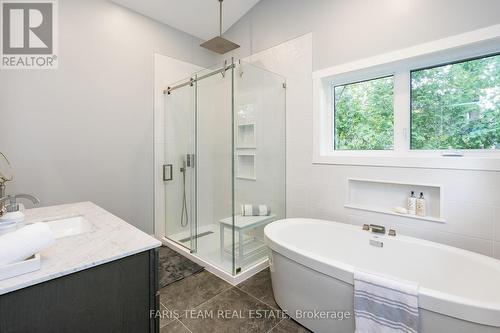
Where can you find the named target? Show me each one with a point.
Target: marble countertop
(110, 238)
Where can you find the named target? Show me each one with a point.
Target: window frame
(475, 44)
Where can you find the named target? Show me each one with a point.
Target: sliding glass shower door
(214, 166)
(199, 135)
(179, 171)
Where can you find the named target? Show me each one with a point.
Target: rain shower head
(219, 44)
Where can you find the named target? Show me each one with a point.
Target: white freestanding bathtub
(312, 264)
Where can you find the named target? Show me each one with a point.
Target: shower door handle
(167, 172)
(190, 160)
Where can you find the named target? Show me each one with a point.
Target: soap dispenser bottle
(412, 204)
(421, 205)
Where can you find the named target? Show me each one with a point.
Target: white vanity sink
(69, 226)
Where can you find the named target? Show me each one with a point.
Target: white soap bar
(401, 210)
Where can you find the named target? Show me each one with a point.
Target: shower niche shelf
(381, 196)
(245, 166)
(246, 137)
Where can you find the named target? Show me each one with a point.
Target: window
(364, 115)
(456, 106)
(432, 105)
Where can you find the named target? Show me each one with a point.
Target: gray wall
(85, 130)
(345, 30)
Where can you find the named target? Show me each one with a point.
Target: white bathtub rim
(486, 313)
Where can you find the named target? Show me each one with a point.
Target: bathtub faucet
(378, 229)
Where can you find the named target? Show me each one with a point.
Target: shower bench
(242, 224)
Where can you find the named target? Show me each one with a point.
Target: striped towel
(254, 210)
(383, 305)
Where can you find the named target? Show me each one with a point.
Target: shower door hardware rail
(196, 79)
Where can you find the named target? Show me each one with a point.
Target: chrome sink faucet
(5, 176)
(12, 205)
(2, 194)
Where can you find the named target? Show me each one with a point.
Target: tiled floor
(205, 303)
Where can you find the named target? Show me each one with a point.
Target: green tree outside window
(456, 106)
(364, 115)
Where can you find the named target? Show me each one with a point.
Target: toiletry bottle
(412, 204)
(421, 205)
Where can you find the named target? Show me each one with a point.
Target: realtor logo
(29, 34)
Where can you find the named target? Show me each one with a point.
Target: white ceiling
(199, 18)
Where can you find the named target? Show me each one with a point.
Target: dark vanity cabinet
(113, 297)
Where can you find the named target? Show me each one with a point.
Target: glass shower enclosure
(224, 171)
